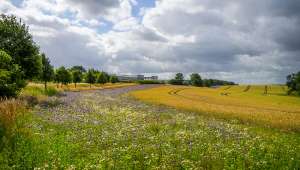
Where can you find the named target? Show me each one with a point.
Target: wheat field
(266, 105)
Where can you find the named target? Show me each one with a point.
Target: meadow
(109, 129)
(268, 106)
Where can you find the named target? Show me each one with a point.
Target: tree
(63, 75)
(47, 70)
(196, 80)
(179, 78)
(78, 68)
(102, 78)
(90, 77)
(114, 79)
(293, 83)
(17, 42)
(11, 77)
(77, 76)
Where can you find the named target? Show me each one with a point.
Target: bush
(176, 82)
(11, 77)
(150, 82)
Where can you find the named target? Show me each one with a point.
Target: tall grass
(10, 110)
(39, 91)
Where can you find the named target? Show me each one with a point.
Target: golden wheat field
(264, 105)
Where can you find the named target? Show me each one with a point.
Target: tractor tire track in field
(227, 88)
(176, 93)
(247, 88)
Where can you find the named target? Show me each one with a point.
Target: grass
(248, 104)
(92, 130)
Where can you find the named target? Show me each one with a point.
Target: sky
(246, 41)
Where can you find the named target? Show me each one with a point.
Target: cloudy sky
(247, 41)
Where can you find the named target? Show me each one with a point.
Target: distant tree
(179, 78)
(90, 77)
(102, 78)
(47, 70)
(114, 79)
(63, 75)
(196, 80)
(17, 42)
(77, 76)
(11, 77)
(293, 83)
(78, 68)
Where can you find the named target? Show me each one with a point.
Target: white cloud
(247, 41)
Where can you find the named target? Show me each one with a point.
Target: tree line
(196, 80)
(21, 60)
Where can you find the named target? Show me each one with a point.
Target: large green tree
(102, 78)
(76, 76)
(63, 75)
(196, 80)
(47, 70)
(16, 40)
(293, 83)
(90, 77)
(178, 80)
(11, 77)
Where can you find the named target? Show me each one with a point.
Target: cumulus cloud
(249, 41)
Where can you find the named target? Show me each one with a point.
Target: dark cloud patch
(94, 8)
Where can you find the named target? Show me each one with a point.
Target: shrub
(11, 77)
(176, 82)
(150, 82)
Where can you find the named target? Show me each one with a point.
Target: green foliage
(102, 78)
(293, 83)
(77, 76)
(114, 79)
(17, 42)
(11, 77)
(47, 70)
(39, 91)
(78, 68)
(196, 80)
(90, 77)
(63, 75)
(179, 78)
(150, 82)
(215, 82)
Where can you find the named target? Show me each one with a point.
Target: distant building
(136, 77)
